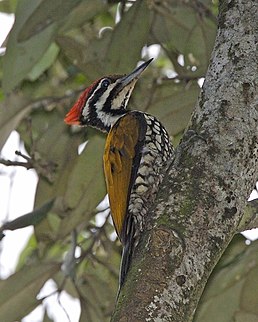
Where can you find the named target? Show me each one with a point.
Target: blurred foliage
(54, 50)
(231, 294)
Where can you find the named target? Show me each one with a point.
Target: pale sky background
(16, 200)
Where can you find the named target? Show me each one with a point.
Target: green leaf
(18, 292)
(97, 293)
(8, 6)
(45, 14)
(32, 218)
(184, 28)
(78, 182)
(129, 36)
(45, 62)
(172, 103)
(86, 186)
(83, 56)
(245, 317)
(28, 252)
(249, 296)
(35, 25)
(86, 174)
(53, 144)
(99, 56)
(232, 290)
(21, 56)
(12, 111)
(85, 11)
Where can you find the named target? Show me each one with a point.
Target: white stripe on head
(102, 100)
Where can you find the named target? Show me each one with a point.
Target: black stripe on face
(112, 95)
(96, 96)
(83, 115)
(122, 109)
(93, 120)
(107, 104)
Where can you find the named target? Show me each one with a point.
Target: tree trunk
(201, 202)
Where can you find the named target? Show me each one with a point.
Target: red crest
(74, 115)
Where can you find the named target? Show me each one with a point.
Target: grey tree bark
(201, 203)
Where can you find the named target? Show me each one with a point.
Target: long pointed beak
(134, 75)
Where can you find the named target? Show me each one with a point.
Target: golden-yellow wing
(121, 161)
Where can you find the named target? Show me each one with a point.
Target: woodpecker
(137, 153)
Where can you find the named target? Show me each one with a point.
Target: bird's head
(102, 103)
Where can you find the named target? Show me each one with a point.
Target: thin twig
(63, 308)
(95, 237)
(43, 167)
(8, 163)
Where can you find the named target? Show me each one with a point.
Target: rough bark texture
(201, 203)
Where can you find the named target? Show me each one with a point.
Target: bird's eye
(105, 83)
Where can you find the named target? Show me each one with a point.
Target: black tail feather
(129, 243)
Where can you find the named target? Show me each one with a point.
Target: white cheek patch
(122, 98)
(100, 103)
(118, 100)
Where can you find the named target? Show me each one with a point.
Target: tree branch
(43, 167)
(28, 164)
(250, 216)
(201, 202)
(9, 163)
